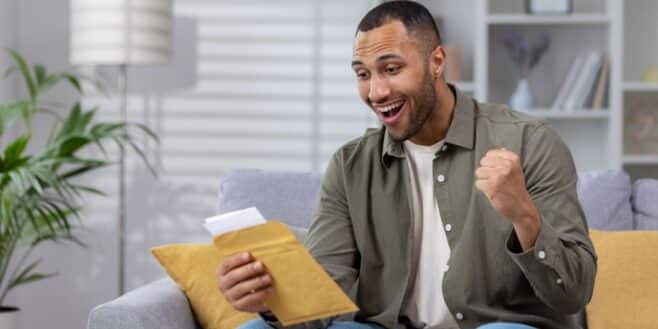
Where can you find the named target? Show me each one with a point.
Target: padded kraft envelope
(302, 290)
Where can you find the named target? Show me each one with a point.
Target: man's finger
(485, 172)
(493, 161)
(246, 287)
(484, 186)
(245, 272)
(505, 154)
(254, 302)
(234, 261)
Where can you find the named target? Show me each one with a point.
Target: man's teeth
(389, 107)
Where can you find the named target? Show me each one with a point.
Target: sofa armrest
(157, 305)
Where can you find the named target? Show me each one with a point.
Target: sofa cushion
(645, 204)
(606, 199)
(626, 284)
(289, 197)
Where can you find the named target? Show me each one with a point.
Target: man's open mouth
(393, 111)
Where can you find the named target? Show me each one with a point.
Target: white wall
(8, 31)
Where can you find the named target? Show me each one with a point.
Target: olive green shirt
(361, 232)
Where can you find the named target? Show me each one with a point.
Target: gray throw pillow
(606, 199)
(645, 204)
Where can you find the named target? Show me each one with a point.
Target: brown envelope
(303, 291)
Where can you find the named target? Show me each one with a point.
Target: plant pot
(8, 317)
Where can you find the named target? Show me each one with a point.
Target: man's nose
(379, 90)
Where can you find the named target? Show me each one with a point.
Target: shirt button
(448, 227)
(558, 281)
(541, 254)
(441, 178)
(444, 147)
(459, 316)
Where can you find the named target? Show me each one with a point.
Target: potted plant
(40, 192)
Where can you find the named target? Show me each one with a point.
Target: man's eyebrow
(380, 59)
(388, 56)
(356, 62)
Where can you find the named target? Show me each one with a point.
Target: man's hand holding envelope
(265, 268)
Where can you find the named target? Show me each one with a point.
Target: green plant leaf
(71, 144)
(74, 81)
(14, 151)
(49, 82)
(40, 74)
(29, 279)
(25, 72)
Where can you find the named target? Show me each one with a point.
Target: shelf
(641, 159)
(522, 19)
(640, 86)
(598, 114)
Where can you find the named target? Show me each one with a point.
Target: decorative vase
(522, 99)
(8, 317)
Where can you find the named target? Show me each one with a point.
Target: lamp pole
(121, 211)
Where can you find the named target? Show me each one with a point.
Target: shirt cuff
(544, 252)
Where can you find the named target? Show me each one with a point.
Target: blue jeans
(258, 323)
(505, 325)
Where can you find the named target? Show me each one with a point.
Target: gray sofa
(609, 199)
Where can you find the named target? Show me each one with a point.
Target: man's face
(393, 78)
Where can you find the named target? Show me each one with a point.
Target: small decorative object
(650, 74)
(641, 124)
(549, 7)
(525, 52)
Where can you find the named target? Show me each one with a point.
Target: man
(455, 214)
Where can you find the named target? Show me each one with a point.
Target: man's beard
(425, 105)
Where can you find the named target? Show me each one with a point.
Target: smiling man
(455, 214)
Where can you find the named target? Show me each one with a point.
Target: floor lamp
(119, 33)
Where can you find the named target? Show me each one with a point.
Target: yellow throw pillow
(192, 266)
(626, 286)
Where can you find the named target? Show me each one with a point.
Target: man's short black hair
(415, 17)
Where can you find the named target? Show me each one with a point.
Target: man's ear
(437, 63)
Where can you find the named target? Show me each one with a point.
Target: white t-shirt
(431, 249)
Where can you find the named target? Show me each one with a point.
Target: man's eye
(392, 69)
(362, 75)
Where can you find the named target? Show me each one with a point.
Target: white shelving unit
(640, 51)
(640, 86)
(623, 28)
(524, 19)
(641, 160)
(586, 114)
(595, 136)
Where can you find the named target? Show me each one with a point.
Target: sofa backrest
(290, 197)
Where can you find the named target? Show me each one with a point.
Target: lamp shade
(113, 32)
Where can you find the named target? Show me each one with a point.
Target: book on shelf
(585, 83)
(599, 94)
(571, 76)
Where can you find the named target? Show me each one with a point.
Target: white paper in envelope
(234, 221)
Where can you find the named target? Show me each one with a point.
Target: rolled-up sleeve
(561, 266)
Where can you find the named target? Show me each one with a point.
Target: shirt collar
(460, 133)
